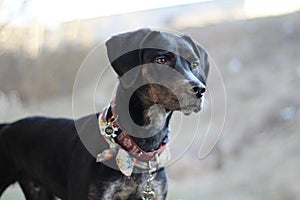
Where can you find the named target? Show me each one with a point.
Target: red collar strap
(129, 145)
(111, 131)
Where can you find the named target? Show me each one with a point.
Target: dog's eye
(161, 60)
(195, 65)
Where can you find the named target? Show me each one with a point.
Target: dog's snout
(198, 91)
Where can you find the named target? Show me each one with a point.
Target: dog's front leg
(78, 184)
(78, 178)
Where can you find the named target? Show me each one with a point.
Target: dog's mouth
(190, 109)
(192, 100)
(195, 107)
(187, 105)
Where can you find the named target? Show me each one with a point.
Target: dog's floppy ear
(123, 50)
(201, 52)
(204, 60)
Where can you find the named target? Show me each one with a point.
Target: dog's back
(2, 126)
(27, 144)
(5, 167)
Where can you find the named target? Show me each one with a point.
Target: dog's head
(174, 66)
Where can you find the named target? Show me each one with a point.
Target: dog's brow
(187, 52)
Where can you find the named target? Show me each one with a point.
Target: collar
(121, 145)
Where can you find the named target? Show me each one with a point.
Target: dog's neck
(151, 116)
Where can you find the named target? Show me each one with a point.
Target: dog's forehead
(174, 43)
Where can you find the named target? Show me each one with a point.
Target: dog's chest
(121, 189)
(125, 189)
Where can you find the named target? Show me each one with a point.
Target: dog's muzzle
(193, 101)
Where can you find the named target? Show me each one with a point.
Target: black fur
(47, 156)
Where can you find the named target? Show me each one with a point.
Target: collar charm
(124, 162)
(126, 152)
(148, 193)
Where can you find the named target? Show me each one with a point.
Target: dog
(107, 155)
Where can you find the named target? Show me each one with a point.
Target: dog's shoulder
(37, 125)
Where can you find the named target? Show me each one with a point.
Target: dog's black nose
(198, 91)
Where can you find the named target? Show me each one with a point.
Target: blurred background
(254, 44)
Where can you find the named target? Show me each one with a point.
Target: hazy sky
(55, 11)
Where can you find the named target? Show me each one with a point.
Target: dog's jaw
(189, 108)
(157, 115)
